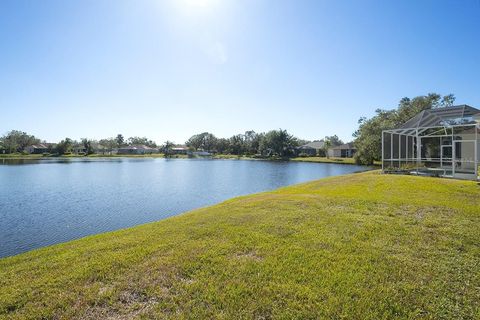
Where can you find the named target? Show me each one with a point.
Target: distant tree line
(16, 141)
(274, 143)
(279, 143)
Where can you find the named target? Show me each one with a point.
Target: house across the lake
(37, 148)
(79, 149)
(180, 150)
(441, 142)
(137, 149)
(346, 150)
(311, 149)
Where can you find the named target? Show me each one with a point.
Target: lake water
(50, 201)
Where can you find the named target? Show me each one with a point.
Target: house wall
(341, 153)
(32, 150)
(347, 153)
(334, 153)
(126, 151)
(308, 151)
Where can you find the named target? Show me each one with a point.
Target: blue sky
(167, 69)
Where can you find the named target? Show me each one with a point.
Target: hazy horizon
(170, 69)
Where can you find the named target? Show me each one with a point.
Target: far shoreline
(331, 160)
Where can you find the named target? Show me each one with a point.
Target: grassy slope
(366, 246)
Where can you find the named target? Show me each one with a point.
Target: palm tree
(326, 145)
(167, 148)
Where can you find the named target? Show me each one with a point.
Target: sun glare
(196, 7)
(200, 3)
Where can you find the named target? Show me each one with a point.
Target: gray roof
(38, 146)
(441, 117)
(314, 145)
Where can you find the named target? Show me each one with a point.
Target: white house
(346, 150)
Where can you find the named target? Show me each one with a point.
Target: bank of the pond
(350, 161)
(18, 156)
(364, 246)
(325, 160)
(160, 155)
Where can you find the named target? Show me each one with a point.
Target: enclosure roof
(441, 117)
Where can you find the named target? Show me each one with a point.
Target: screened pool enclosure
(440, 142)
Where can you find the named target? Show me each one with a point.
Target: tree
(252, 141)
(205, 141)
(334, 141)
(64, 146)
(120, 140)
(222, 145)
(369, 134)
(109, 144)
(17, 141)
(237, 144)
(87, 144)
(278, 142)
(141, 141)
(448, 100)
(167, 148)
(195, 142)
(368, 137)
(327, 144)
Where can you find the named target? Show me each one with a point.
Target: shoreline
(331, 160)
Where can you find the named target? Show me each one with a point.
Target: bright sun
(200, 3)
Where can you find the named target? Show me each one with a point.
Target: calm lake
(50, 201)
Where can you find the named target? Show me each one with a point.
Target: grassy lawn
(20, 156)
(360, 246)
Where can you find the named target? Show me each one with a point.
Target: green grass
(361, 246)
(20, 156)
